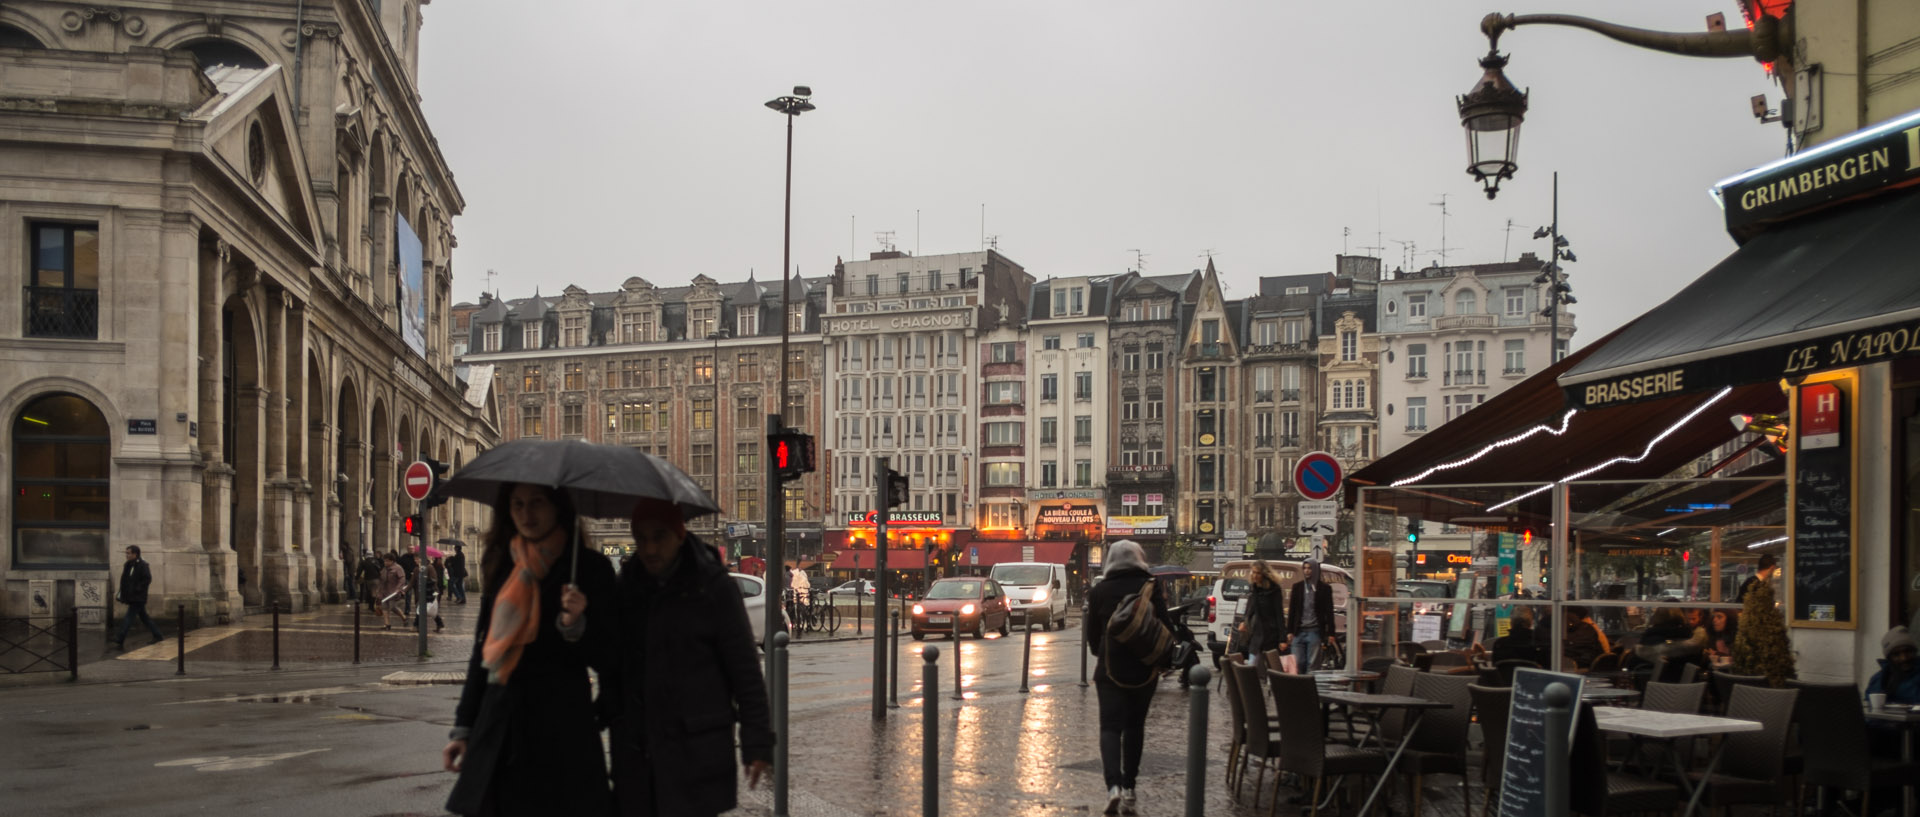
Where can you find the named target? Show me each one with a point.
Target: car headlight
(966, 609)
(1040, 595)
(919, 611)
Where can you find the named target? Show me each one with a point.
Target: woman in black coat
(1266, 624)
(688, 673)
(1124, 684)
(525, 737)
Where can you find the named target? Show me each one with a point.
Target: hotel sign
(1872, 159)
(899, 322)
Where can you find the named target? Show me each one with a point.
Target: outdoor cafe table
(1340, 676)
(1907, 718)
(1597, 695)
(1671, 726)
(1377, 705)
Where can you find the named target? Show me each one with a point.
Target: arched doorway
(62, 482)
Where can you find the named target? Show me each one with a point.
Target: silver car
(753, 591)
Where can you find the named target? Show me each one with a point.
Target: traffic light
(792, 454)
(896, 494)
(434, 498)
(1413, 531)
(414, 525)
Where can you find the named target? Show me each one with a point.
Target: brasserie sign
(1785, 360)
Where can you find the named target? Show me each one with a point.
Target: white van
(1036, 591)
(1229, 598)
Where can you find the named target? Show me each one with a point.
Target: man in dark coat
(1518, 643)
(1311, 613)
(135, 578)
(457, 574)
(407, 564)
(688, 675)
(369, 580)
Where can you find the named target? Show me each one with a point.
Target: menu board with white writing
(1822, 558)
(1523, 778)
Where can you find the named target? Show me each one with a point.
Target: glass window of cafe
(1905, 575)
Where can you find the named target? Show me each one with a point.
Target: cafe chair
(1724, 682)
(1261, 744)
(1833, 737)
(1605, 663)
(1408, 650)
(1443, 661)
(1236, 745)
(1600, 792)
(1751, 763)
(1490, 705)
(1304, 749)
(1681, 698)
(1392, 722)
(1440, 745)
(1377, 664)
(1689, 672)
(1505, 669)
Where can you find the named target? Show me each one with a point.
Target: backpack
(1137, 628)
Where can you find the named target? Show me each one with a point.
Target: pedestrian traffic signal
(414, 525)
(896, 489)
(792, 454)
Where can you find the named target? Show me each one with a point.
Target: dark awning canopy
(1836, 289)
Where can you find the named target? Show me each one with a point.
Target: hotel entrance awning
(1835, 289)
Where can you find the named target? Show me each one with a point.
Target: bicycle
(815, 614)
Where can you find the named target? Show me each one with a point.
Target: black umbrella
(603, 480)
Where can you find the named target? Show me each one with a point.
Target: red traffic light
(414, 526)
(780, 454)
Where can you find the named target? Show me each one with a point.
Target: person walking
(436, 584)
(135, 578)
(1266, 623)
(1123, 683)
(526, 739)
(408, 564)
(1311, 611)
(370, 569)
(457, 574)
(688, 675)
(392, 590)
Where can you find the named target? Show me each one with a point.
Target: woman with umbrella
(525, 738)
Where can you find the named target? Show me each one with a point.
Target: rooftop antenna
(490, 274)
(885, 237)
(1504, 247)
(983, 225)
(916, 231)
(1139, 260)
(993, 242)
(1344, 232)
(1442, 252)
(1407, 251)
(852, 224)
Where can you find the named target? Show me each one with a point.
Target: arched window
(1465, 302)
(11, 37)
(62, 456)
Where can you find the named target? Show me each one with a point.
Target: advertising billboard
(413, 288)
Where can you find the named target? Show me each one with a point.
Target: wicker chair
(1443, 661)
(1752, 763)
(1681, 698)
(1439, 746)
(1261, 743)
(1236, 746)
(1304, 749)
(1393, 722)
(1606, 663)
(1506, 668)
(1599, 792)
(1490, 705)
(1833, 733)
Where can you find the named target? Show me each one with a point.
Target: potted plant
(1761, 648)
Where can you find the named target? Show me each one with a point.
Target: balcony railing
(1511, 370)
(1289, 441)
(1464, 322)
(1416, 427)
(1265, 441)
(1263, 486)
(1263, 396)
(1417, 374)
(1465, 377)
(1289, 395)
(63, 312)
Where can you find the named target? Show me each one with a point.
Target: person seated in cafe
(1669, 636)
(1899, 675)
(1519, 641)
(1584, 642)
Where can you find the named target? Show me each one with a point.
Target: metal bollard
(893, 675)
(778, 684)
(276, 635)
(1198, 677)
(1026, 656)
(959, 693)
(181, 633)
(356, 632)
(857, 621)
(1559, 716)
(930, 732)
(1084, 648)
(73, 645)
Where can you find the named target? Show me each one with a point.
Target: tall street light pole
(1558, 292)
(792, 105)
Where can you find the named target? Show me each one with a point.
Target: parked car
(854, 587)
(962, 605)
(753, 591)
(1035, 591)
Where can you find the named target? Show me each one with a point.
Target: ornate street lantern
(1491, 113)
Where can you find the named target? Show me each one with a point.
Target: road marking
(224, 763)
(169, 649)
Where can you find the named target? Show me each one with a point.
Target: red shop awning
(864, 560)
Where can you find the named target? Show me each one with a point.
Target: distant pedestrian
(1311, 612)
(1124, 684)
(135, 578)
(393, 586)
(457, 574)
(408, 565)
(1266, 623)
(436, 581)
(526, 739)
(1769, 565)
(688, 675)
(370, 569)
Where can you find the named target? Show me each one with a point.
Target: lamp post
(1558, 291)
(792, 106)
(719, 420)
(1492, 111)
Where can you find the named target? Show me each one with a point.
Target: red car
(964, 605)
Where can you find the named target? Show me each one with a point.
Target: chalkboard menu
(1523, 780)
(1822, 555)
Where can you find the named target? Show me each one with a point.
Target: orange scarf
(516, 609)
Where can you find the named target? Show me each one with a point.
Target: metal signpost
(881, 590)
(419, 482)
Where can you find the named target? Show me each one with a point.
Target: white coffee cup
(1877, 701)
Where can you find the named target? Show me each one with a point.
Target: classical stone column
(216, 477)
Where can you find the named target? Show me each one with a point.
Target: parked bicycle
(814, 613)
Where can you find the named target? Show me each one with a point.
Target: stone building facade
(1068, 383)
(224, 333)
(687, 373)
(1210, 460)
(1142, 398)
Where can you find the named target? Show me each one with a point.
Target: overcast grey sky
(600, 139)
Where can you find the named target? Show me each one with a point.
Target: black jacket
(535, 742)
(1266, 616)
(1102, 600)
(1518, 643)
(688, 673)
(1322, 607)
(1582, 645)
(135, 578)
(457, 566)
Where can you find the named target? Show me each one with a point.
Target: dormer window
(702, 321)
(746, 321)
(530, 335)
(490, 338)
(1465, 302)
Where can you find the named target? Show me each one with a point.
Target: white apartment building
(1067, 378)
(902, 364)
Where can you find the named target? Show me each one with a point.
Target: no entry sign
(1317, 475)
(419, 481)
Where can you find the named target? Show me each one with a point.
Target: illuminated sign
(1069, 515)
(1459, 559)
(1123, 526)
(868, 519)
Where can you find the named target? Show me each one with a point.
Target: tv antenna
(1408, 249)
(993, 242)
(1444, 249)
(1504, 247)
(885, 237)
(1139, 260)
